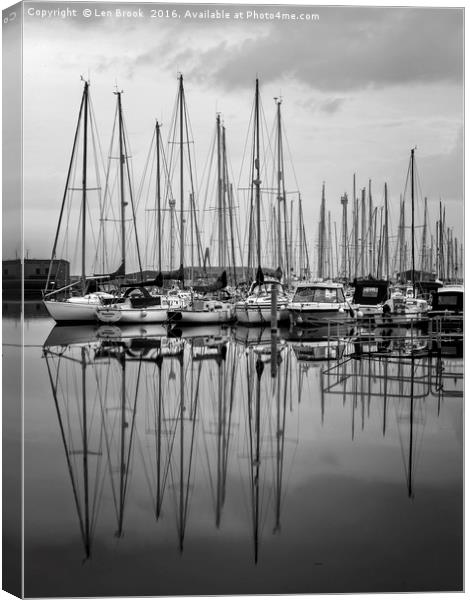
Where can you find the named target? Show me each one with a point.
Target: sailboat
(256, 308)
(406, 301)
(205, 306)
(64, 304)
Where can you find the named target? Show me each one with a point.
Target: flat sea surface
(209, 464)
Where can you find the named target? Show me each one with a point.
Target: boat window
(370, 292)
(307, 294)
(447, 300)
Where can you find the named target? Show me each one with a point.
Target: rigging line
(209, 471)
(100, 197)
(131, 437)
(98, 155)
(74, 147)
(197, 230)
(107, 439)
(109, 192)
(99, 484)
(170, 444)
(291, 161)
(207, 170)
(148, 168)
(191, 452)
(67, 454)
(247, 139)
(131, 195)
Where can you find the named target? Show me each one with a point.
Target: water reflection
(217, 440)
(153, 400)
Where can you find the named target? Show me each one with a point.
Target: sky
(360, 87)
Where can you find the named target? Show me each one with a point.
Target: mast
(413, 218)
(321, 235)
(386, 240)
(279, 181)
(301, 263)
(330, 249)
(371, 239)
(363, 231)
(344, 237)
(257, 180)
(336, 253)
(424, 240)
(84, 183)
(401, 239)
(219, 193)
(355, 225)
(229, 190)
(159, 204)
(181, 100)
(172, 203)
(122, 159)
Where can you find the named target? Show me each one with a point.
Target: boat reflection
(209, 413)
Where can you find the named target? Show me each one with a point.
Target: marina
(285, 288)
(266, 418)
(233, 310)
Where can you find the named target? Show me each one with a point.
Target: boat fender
(359, 314)
(341, 309)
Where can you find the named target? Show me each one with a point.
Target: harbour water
(207, 462)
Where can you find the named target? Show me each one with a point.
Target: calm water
(200, 465)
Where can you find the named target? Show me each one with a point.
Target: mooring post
(273, 331)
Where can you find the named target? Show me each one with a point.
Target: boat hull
(205, 317)
(253, 314)
(315, 317)
(72, 312)
(125, 314)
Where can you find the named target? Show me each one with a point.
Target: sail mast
(279, 181)
(84, 184)
(219, 192)
(257, 181)
(371, 239)
(386, 240)
(122, 159)
(159, 203)
(413, 218)
(180, 98)
(424, 261)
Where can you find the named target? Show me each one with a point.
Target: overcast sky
(360, 88)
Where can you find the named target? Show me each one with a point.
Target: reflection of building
(35, 276)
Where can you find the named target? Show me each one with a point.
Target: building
(34, 276)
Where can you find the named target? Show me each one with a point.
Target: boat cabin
(448, 299)
(264, 289)
(330, 293)
(370, 292)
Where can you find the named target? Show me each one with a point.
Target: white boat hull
(317, 314)
(255, 314)
(205, 317)
(69, 312)
(127, 314)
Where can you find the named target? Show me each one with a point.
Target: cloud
(348, 49)
(332, 105)
(443, 173)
